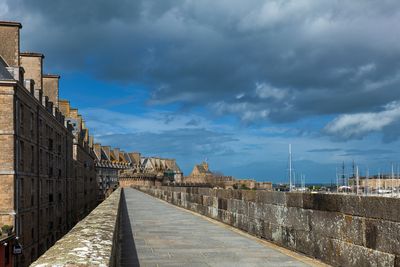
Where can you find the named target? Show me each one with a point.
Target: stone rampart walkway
(155, 233)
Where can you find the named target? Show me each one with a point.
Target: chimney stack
(50, 87)
(10, 42)
(33, 66)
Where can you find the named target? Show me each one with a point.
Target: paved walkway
(155, 233)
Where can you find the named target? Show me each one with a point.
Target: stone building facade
(52, 173)
(202, 175)
(151, 171)
(6, 247)
(385, 182)
(48, 180)
(109, 164)
(84, 171)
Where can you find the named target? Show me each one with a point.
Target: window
(21, 155)
(32, 193)
(40, 161)
(40, 132)
(41, 191)
(21, 116)
(33, 256)
(50, 144)
(21, 191)
(50, 164)
(7, 255)
(32, 122)
(32, 159)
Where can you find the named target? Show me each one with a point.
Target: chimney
(97, 151)
(64, 107)
(10, 42)
(91, 141)
(45, 101)
(33, 66)
(39, 95)
(30, 86)
(62, 118)
(135, 157)
(50, 87)
(106, 150)
(50, 107)
(116, 153)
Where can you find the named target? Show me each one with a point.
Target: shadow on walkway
(129, 255)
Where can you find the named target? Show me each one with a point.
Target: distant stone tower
(205, 166)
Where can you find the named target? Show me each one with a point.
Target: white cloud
(247, 111)
(358, 125)
(265, 91)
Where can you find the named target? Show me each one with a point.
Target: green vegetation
(7, 229)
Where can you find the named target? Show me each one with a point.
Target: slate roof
(4, 74)
(201, 169)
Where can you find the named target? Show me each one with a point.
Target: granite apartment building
(109, 165)
(47, 172)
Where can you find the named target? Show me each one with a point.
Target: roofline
(51, 76)
(31, 54)
(10, 23)
(8, 82)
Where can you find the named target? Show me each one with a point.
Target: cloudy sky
(230, 80)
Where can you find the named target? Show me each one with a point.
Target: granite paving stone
(155, 233)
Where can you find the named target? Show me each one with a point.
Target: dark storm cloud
(260, 60)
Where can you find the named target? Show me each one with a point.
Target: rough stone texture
(50, 87)
(92, 242)
(341, 230)
(154, 233)
(9, 45)
(33, 66)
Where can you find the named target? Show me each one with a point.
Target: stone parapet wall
(341, 230)
(92, 242)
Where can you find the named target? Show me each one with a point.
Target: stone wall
(9, 45)
(341, 230)
(92, 242)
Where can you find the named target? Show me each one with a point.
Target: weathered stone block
(237, 194)
(304, 242)
(339, 253)
(383, 235)
(266, 230)
(204, 191)
(377, 207)
(325, 202)
(339, 226)
(294, 199)
(254, 227)
(249, 195)
(278, 198)
(296, 218)
(222, 204)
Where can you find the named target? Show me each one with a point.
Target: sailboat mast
(290, 167)
(367, 182)
(357, 180)
(392, 179)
